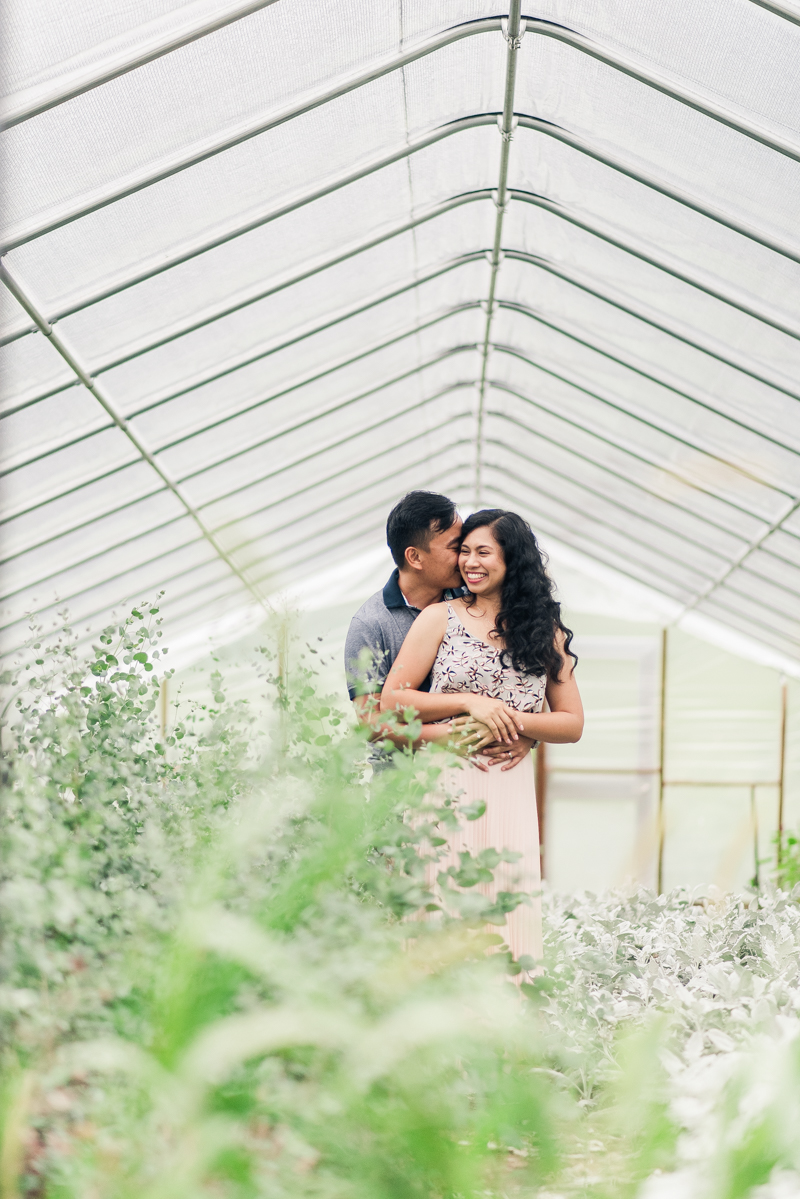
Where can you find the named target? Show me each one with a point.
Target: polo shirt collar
(392, 595)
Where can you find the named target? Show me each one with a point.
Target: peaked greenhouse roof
(268, 265)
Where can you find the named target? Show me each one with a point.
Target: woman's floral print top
(467, 663)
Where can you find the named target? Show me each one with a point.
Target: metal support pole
(540, 768)
(661, 747)
(513, 31)
(780, 10)
(782, 766)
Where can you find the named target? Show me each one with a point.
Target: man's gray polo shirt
(376, 633)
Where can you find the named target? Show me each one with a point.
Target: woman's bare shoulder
(432, 617)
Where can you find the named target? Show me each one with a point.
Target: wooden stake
(540, 768)
(661, 745)
(782, 766)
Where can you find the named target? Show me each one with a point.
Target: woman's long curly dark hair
(529, 617)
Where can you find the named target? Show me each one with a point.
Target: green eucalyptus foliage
(211, 981)
(225, 974)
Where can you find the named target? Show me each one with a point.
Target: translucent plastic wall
(267, 265)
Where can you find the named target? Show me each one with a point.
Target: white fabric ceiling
(269, 265)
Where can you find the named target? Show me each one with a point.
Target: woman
(494, 656)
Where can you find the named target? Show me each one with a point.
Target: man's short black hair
(419, 516)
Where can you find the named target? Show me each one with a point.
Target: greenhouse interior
(267, 268)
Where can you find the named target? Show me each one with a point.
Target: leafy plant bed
(216, 982)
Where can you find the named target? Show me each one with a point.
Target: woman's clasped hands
(486, 722)
(498, 721)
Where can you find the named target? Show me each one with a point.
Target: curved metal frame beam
(322, 413)
(129, 566)
(779, 639)
(590, 518)
(85, 524)
(211, 147)
(347, 541)
(466, 415)
(184, 573)
(590, 513)
(283, 281)
(503, 387)
(542, 202)
(754, 545)
(359, 490)
(525, 258)
(122, 424)
(644, 254)
(639, 457)
(339, 443)
(616, 406)
(661, 81)
(392, 449)
(740, 599)
(596, 229)
(605, 469)
(562, 533)
(437, 358)
(352, 540)
(340, 364)
(626, 511)
(343, 441)
(559, 133)
(442, 356)
(34, 100)
(162, 582)
(448, 470)
(515, 306)
(202, 246)
(779, 10)
(595, 493)
(650, 317)
(601, 522)
(510, 448)
(542, 463)
(113, 546)
(330, 322)
(341, 522)
(668, 84)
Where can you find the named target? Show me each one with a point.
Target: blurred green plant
(787, 859)
(224, 973)
(209, 982)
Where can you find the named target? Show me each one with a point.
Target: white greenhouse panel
(265, 272)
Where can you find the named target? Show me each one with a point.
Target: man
(423, 533)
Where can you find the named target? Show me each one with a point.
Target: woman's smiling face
(481, 562)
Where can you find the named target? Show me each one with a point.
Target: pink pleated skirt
(509, 822)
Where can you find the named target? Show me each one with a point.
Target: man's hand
(509, 755)
(390, 726)
(472, 736)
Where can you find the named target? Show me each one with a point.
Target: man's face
(439, 563)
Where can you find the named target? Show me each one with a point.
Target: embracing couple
(467, 633)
